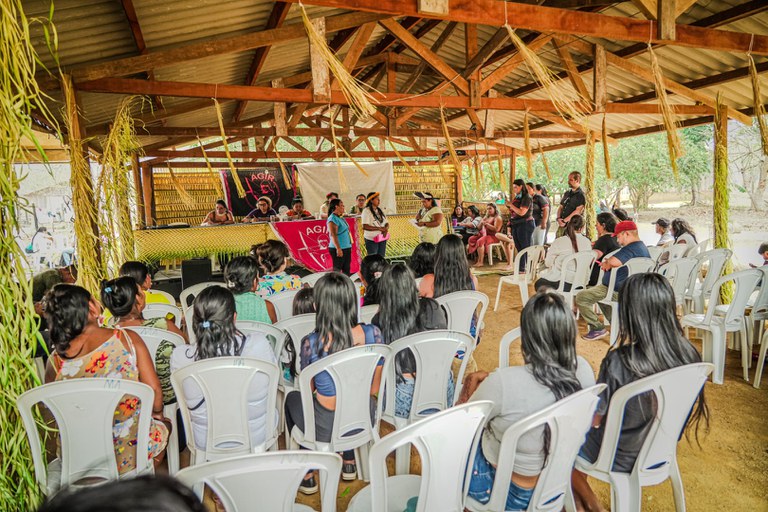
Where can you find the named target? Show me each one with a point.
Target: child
(273, 255)
(242, 278)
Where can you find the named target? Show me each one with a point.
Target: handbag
(381, 238)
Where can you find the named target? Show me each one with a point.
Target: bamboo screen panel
(168, 205)
(429, 180)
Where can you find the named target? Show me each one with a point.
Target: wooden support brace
(281, 124)
(321, 73)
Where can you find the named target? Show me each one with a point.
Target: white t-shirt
(665, 238)
(367, 217)
(560, 249)
(256, 346)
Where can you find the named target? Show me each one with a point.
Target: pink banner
(308, 242)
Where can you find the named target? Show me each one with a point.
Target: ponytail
(572, 229)
(66, 311)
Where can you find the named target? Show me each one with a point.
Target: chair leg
(523, 292)
(746, 353)
(490, 255)
(718, 354)
(403, 460)
(625, 494)
(677, 486)
(363, 472)
(172, 449)
(614, 324)
(498, 294)
(761, 361)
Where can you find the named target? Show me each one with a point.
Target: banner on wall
(307, 242)
(257, 182)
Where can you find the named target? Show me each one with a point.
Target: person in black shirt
(262, 212)
(572, 203)
(605, 243)
(540, 212)
(521, 223)
(541, 189)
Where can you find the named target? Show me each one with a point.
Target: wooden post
(139, 191)
(149, 194)
(281, 114)
(666, 13)
(391, 73)
(512, 171)
(720, 196)
(490, 121)
(321, 74)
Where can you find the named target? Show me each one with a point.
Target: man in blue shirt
(631, 247)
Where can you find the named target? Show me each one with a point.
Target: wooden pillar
(321, 73)
(720, 195)
(149, 193)
(391, 73)
(139, 190)
(512, 171)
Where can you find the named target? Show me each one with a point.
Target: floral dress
(271, 284)
(112, 361)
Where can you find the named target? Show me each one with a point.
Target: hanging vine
(720, 195)
(590, 216)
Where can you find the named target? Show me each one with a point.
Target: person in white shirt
(324, 207)
(570, 243)
(375, 225)
(662, 229)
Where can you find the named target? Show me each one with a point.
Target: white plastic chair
(655, 251)
(759, 309)
(187, 299)
(461, 307)
(225, 383)
(446, 442)
(698, 248)
(152, 337)
(713, 261)
(160, 310)
(167, 296)
(489, 249)
(311, 279)
(433, 352)
(633, 266)
(676, 391)
(297, 327)
(569, 420)
(717, 326)
(506, 342)
(761, 361)
(368, 312)
(352, 371)
(579, 266)
(674, 252)
(679, 273)
(275, 335)
(535, 255)
(84, 410)
(283, 303)
(270, 478)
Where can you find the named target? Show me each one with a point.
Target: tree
(745, 156)
(642, 165)
(697, 160)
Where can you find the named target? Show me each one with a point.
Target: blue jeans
(372, 247)
(481, 484)
(404, 396)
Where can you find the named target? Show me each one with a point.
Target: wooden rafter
(567, 61)
(482, 55)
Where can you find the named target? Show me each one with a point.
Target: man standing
(631, 247)
(572, 203)
(662, 229)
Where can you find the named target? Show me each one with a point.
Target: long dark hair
(451, 267)
(335, 302)
(607, 220)
(119, 295)
(136, 269)
(574, 226)
(649, 347)
(370, 269)
(271, 255)
(681, 227)
(377, 213)
(523, 189)
(213, 320)
(303, 302)
(399, 312)
(66, 312)
(422, 261)
(240, 273)
(332, 205)
(542, 190)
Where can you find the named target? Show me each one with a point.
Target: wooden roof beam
(576, 81)
(488, 49)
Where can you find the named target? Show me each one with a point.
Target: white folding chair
(713, 262)
(153, 337)
(761, 361)
(446, 442)
(506, 342)
(755, 320)
(225, 383)
(368, 312)
(717, 326)
(275, 335)
(160, 310)
(535, 254)
(676, 391)
(187, 299)
(311, 279)
(575, 270)
(698, 248)
(462, 307)
(283, 303)
(433, 352)
(167, 296)
(679, 273)
(297, 327)
(633, 266)
(352, 371)
(569, 420)
(84, 410)
(655, 251)
(271, 478)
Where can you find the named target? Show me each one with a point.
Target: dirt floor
(728, 472)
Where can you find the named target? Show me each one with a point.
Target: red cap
(625, 225)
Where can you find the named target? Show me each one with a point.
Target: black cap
(661, 221)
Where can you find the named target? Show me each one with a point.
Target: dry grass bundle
(606, 154)
(358, 98)
(590, 216)
(410, 170)
(232, 169)
(215, 180)
(343, 187)
(720, 196)
(476, 168)
(544, 161)
(564, 102)
(527, 145)
(758, 104)
(185, 196)
(502, 175)
(667, 115)
(286, 178)
(449, 143)
(443, 172)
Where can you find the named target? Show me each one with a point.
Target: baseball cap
(661, 221)
(625, 225)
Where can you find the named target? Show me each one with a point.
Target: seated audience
(273, 257)
(297, 211)
(451, 270)
(762, 251)
(241, 276)
(422, 260)
(359, 206)
(492, 224)
(662, 229)
(683, 234)
(572, 242)
(304, 302)
(458, 215)
(44, 282)
(370, 271)
(471, 225)
(605, 244)
(140, 273)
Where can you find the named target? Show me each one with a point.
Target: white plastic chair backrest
(677, 251)
(271, 478)
(698, 248)
(368, 312)
(714, 261)
(187, 295)
(160, 310)
(535, 255)
(633, 266)
(170, 298)
(446, 442)
(579, 264)
(297, 327)
(460, 308)
(606, 257)
(678, 273)
(433, 352)
(311, 279)
(283, 303)
(153, 336)
(352, 372)
(225, 383)
(760, 306)
(275, 335)
(569, 420)
(745, 282)
(676, 390)
(506, 342)
(655, 251)
(84, 410)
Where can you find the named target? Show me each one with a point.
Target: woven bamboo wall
(429, 180)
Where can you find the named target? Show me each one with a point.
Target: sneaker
(349, 471)
(595, 335)
(309, 485)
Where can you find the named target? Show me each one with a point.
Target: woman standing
(491, 225)
(219, 216)
(520, 222)
(340, 243)
(375, 226)
(429, 217)
(540, 213)
(542, 190)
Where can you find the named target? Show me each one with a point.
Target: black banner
(257, 183)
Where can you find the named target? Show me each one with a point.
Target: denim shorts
(404, 396)
(481, 485)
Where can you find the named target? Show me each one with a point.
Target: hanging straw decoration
(342, 180)
(185, 196)
(346, 153)
(286, 178)
(443, 172)
(527, 143)
(668, 116)
(544, 161)
(502, 175)
(410, 170)
(232, 169)
(720, 198)
(590, 216)
(758, 101)
(477, 174)
(357, 97)
(449, 143)
(606, 154)
(215, 180)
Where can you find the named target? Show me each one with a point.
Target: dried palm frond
(527, 144)
(544, 161)
(590, 216)
(449, 143)
(606, 154)
(232, 169)
(358, 98)
(283, 170)
(443, 172)
(185, 196)
(721, 199)
(759, 107)
(410, 170)
(502, 175)
(667, 114)
(476, 166)
(215, 180)
(342, 180)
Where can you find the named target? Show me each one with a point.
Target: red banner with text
(308, 240)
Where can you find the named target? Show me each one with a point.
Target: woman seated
(644, 348)
(451, 270)
(242, 278)
(422, 260)
(606, 243)
(568, 244)
(85, 350)
(552, 371)
(481, 242)
(458, 215)
(336, 329)
(273, 256)
(471, 225)
(213, 320)
(370, 273)
(219, 215)
(140, 273)
(401, 313)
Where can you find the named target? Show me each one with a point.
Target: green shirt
(43, 282)
(250, 306)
